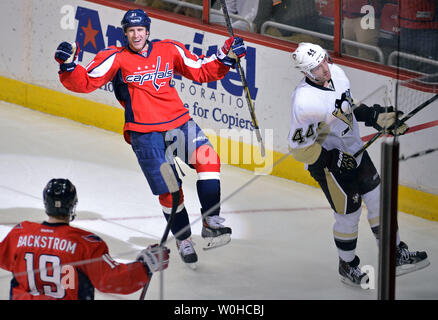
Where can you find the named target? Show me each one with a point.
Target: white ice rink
(282, 245)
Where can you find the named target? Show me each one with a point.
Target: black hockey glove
(67, 56)
(340, 162)
(336, 161)
(380, 117)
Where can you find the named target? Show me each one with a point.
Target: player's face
(137, 37)
(322, 72)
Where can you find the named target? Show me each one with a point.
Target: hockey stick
(244, 83)
(403, 120)
(418, 154)
(172, 184)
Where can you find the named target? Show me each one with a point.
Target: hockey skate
(214, 232)
(351, 274)
(187, 252)
(409, 261)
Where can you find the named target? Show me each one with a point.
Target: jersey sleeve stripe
(102, 68)
(195, 64)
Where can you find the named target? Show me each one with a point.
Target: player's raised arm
(209, 68)
(98, 72)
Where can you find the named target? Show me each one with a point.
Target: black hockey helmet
(60, 198)
(135, 18)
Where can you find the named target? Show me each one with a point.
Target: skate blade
(351, 284)
(217, 242)
(408, 268)
(192, 266)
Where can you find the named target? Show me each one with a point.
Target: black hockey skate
(409, 261)
(187, 252)
(214, 232)
(351, 274)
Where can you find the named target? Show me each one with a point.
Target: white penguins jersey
(324, 116)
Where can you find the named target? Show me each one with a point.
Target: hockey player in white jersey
(324, 134)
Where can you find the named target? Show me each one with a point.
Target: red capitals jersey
(142, 82)
(352, 8)
(419, 14)
(57, 261)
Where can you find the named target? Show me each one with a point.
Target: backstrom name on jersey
(54, 243)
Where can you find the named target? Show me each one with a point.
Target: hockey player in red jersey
(157, 124)
(53, 260)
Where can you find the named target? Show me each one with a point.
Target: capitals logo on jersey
(156, 76)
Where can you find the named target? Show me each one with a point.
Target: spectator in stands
(157, 4)
(253, 11)
(295, 13)
(419, 34)
(326, 15)
(361, 23)
(190, 12)
(419, 27)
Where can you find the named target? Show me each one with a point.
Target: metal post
(206, 11)
(337, 28)
(388, 219)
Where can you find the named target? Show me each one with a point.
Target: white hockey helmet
(307, 57)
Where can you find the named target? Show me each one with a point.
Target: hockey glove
(340, 162)
(386, 117)
(233, 49)
(337, 161)
(67, 56)
(150, 257)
